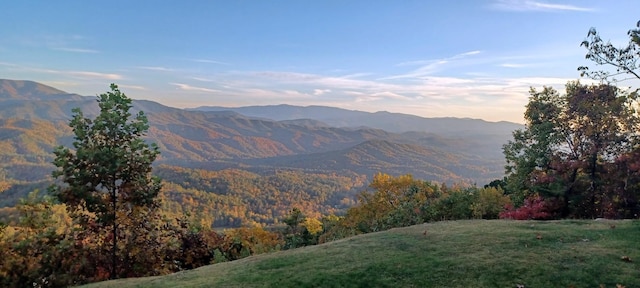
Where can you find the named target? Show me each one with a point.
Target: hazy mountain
(20, 89)
(34, 119)
(375, 156)
(392, 122)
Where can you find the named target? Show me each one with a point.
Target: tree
(105, 181)
(37, 252)
(531, 149)
(625, 60)
(295, 230)
(623, 174)
(570, 144)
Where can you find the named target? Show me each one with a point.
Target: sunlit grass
(585, 253)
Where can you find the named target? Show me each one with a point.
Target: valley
(328, 154)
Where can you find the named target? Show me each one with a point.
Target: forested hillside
(326, 165)
(233, 198)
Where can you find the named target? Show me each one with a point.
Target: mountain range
(392, 122)
(260, 139)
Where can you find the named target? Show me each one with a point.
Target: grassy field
(497, 253)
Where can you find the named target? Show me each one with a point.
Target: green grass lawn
(475, 253)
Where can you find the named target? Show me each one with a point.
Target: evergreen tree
(106, 183)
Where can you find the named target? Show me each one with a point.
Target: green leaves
(624, 59)
(107, 179)
(570, 144)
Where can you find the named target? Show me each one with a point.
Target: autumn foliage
(534, 208)
(402, 201)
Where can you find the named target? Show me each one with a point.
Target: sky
(466, 58)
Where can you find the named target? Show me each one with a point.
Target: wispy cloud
(133, 87)
(80, 74)
(187, 87)
(8, 64)
(64, 43)
(319, 80)
(155, 68)
(67, 73)
(76, 50)
(318, 92)
(390, 95)
(531, 5)
(355, 75)
(263, 95)
(89, 74)
(443, 60)
(429, 67)
(208, 61)
(202, 79)
(513, 65)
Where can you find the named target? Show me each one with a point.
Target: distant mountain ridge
(392, 122)
(34, 119)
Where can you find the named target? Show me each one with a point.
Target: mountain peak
(25, 89)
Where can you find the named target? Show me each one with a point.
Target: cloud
(330, 82)
(489, 97)
(429, 67)
(378, 96)
(208, 61)
(65, 43)
(8, 64)
(76, 50)
(445, 60)
(355, 75)
(80, 74)
(390, 95)
(202, 79)
(155, 68)
(531, 5)
(318, 92)
(133, 87)
(187, 87)
(512, 65)
(88, 74)
(68, 73)
(268, 96)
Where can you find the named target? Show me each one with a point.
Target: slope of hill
(494, 253)
(22, 89)
(375, 156)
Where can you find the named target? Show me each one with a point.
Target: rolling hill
(477, 253)
(34, 119)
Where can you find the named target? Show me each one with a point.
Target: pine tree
(105, 180)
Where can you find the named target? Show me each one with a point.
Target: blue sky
(469, 58)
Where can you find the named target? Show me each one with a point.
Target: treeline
(579, 154)
(404, 201)
(48, 248)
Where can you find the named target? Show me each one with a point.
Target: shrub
(534, 208)
(489, 203)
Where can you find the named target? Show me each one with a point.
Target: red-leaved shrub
(534, 208)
